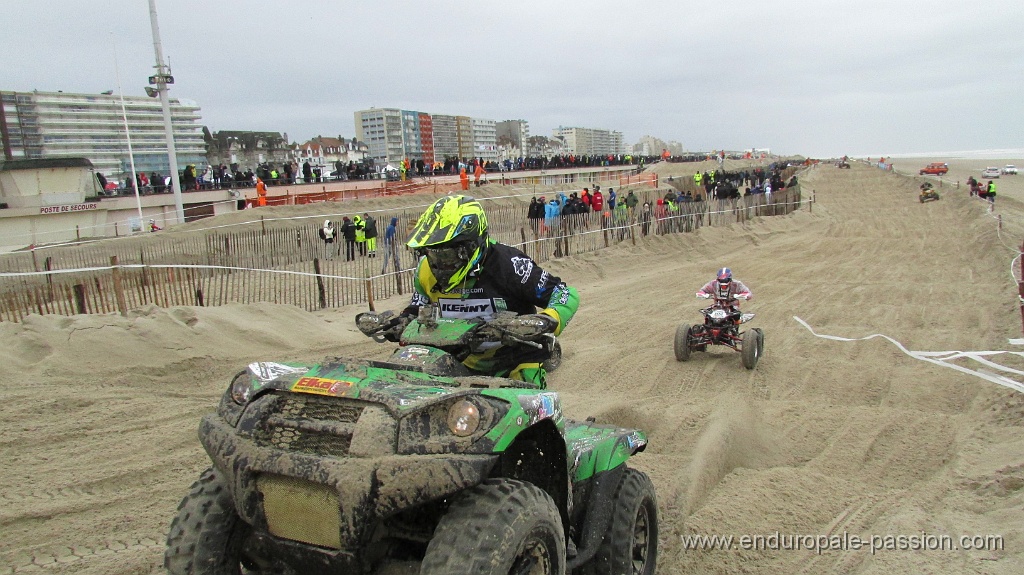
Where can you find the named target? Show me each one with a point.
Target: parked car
(990, 172)
(935, 168)
(1009, 170)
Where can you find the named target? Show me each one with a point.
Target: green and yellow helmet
(452, 234)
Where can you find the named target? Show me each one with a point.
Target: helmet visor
(447, 259)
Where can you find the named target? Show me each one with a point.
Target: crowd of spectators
(565, 214)
(289, 173)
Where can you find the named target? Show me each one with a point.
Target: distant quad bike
(721, 327)
(843, 164)
(364, 466)
(928, 193)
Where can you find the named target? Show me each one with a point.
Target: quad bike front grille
(310, 424)
(309, 442)
(319, 407)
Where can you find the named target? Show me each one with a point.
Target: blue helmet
(725, 275)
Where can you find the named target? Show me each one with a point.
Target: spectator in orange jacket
(477, 173)
(261, 192)
(464, 178)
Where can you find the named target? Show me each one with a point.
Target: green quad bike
(414, 464)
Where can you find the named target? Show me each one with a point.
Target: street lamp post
(161, 79)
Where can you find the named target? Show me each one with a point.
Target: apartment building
(393, 135)
(465, 136)
(446, 136)
(381, 130)
(589, 141)
(48, 125)
(485, 139)
(513, 137)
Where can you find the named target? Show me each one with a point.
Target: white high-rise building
(485, 140)
(41, 125)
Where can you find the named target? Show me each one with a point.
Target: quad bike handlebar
(709, 296)
(532, 330)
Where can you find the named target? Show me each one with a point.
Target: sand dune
(823, 438)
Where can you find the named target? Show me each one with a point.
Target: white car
(1009, 170)
(990, 173)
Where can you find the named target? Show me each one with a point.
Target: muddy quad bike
(928, 193)
(414, 462)
(721, 327)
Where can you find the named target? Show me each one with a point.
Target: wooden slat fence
(291, 265)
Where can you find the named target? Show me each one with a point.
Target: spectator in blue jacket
(552, 210)
(391, 246)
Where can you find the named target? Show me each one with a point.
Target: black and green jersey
(506, 279)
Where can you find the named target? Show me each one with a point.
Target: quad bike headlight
(463, 418)
(241, 388)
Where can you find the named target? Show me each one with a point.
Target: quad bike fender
(595, 448)
(538, 456)
(365, 488)
(599, 508)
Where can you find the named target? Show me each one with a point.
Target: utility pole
(161, 79)
(128, 137)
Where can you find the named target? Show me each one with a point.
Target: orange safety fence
(650, 179)
(386, 189)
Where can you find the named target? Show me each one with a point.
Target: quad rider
(468, 275)
(928, 192)
(726, 289)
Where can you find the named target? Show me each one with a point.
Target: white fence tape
(942, 357)
(178, 266)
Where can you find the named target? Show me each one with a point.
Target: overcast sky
(799, 77)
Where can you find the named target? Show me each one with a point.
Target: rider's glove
(393, 329)
(384, 324)
(703, 295)
(370, 323)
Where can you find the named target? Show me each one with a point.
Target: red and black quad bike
(721, 327)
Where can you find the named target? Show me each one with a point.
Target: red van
(935, 168)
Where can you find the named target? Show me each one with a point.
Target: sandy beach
(833, 437)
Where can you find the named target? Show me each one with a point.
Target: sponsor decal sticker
(321, 386)
(465, 308)
(560, 294)
(413, 352)
(522, 267)
(543, 281)
(267, 371)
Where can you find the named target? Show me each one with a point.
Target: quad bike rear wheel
(206, 536)
(752, 347)
(682, 342)
(630, 546)
(499, 527)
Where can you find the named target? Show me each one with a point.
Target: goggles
(447, 258)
